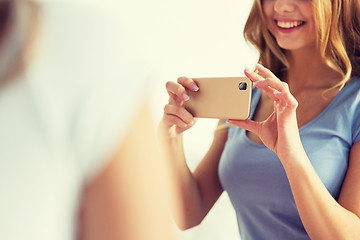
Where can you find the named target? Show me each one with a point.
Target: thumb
(247, 124)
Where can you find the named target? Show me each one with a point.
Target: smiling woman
(302, 139)
(328, 25)
(296, 28)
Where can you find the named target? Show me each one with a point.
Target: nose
(284, 6)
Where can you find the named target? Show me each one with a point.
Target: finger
(172, 120)
(286, 99)
(173, 99)
(188, 83)
(271, 93)
(273, 80)
(253, 76)
(247, 124)
(176, 90)
(265, 72)
(179, 112)
(259, 81)
(274, 84)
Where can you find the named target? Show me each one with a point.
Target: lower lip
(289, 30)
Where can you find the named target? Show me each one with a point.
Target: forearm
(188, 201)
(323, 217)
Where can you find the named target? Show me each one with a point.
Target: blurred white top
(62, 119)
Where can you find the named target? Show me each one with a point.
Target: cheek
(308, 10)
(268, 14)
(311, 30)
(267, 9)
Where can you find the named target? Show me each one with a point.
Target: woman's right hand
(176, 118)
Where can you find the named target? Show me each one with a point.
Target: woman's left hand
(279, 132)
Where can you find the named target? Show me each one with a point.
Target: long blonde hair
(17, 36)
(338, 37)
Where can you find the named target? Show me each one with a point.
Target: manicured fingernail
(276, 92)
(260, 66)
(195, 87)
(185, 97)
(247, 69)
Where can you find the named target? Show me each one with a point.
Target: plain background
(195, 38)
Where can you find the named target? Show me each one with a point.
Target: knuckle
(185, 81)
(188, 81)
(166, 108)
(285, 85)
(292, 100)
(167, 119)
(172, 120)
(267, 80)
(176, 121)
(295, 103)
(181, 79)
(180, 91)
(178, 111)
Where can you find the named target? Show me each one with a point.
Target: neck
(307, 69)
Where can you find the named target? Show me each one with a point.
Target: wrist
(294, 160)
(168, 134)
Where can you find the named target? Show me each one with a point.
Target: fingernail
(185, 97)
(276, 92)
(195, 87)
(260, 66)
(247, 69)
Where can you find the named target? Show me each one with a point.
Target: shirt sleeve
(112, 84)
(103, 121)
(356, 124)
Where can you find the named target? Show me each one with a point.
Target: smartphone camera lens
(242, 86)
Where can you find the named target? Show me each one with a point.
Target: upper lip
(288, 19)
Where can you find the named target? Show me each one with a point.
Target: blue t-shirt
(256, 181)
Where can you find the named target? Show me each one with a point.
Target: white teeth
(283, 24)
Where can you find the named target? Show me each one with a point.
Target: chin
(291, 46)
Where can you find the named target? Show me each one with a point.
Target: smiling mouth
(289, 24)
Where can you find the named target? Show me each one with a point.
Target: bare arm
(322, 216)
(130, 198)
(197, 192)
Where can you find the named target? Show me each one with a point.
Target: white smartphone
(221, 97)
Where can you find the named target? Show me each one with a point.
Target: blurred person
(78, 158)
(292, 170)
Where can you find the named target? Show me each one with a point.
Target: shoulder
(351, 109)
(350, 94)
